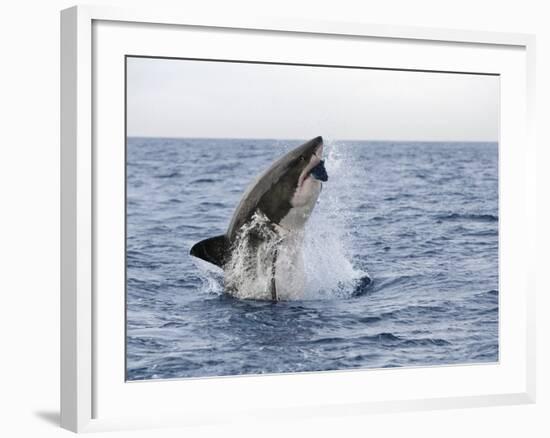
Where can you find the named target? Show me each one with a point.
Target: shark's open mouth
(319, 172)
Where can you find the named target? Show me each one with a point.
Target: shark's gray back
(255, 194)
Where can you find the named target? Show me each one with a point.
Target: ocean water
(421, 219)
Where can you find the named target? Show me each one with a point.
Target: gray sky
(180, 98)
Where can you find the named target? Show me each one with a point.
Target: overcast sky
(180, 98)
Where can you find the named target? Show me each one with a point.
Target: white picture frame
(93, 396)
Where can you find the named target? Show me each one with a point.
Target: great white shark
(261, 251)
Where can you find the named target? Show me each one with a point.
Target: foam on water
(247, 277)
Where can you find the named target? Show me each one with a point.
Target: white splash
(248, 274)
(328, 247)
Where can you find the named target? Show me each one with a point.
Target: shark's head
(294, 182)
(285, 194)
(303, 169)
(287, 189)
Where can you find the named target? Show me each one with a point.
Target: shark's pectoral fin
(213, 250)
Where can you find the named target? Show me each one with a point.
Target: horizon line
(304, 138)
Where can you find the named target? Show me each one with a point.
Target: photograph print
(285, 218)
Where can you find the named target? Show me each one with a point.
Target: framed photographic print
(253, 209)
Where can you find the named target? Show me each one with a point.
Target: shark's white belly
(270, 270)
(272, 267)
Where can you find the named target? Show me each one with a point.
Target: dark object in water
(362, 285)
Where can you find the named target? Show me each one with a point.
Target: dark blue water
(420, 218)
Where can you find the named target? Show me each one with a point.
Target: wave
(425, 342)
(485, 233)
(370, 319)
(397, 280)
(467, 216)
(383, 337)
(203, 181)
(169, 175)
(386, 337)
